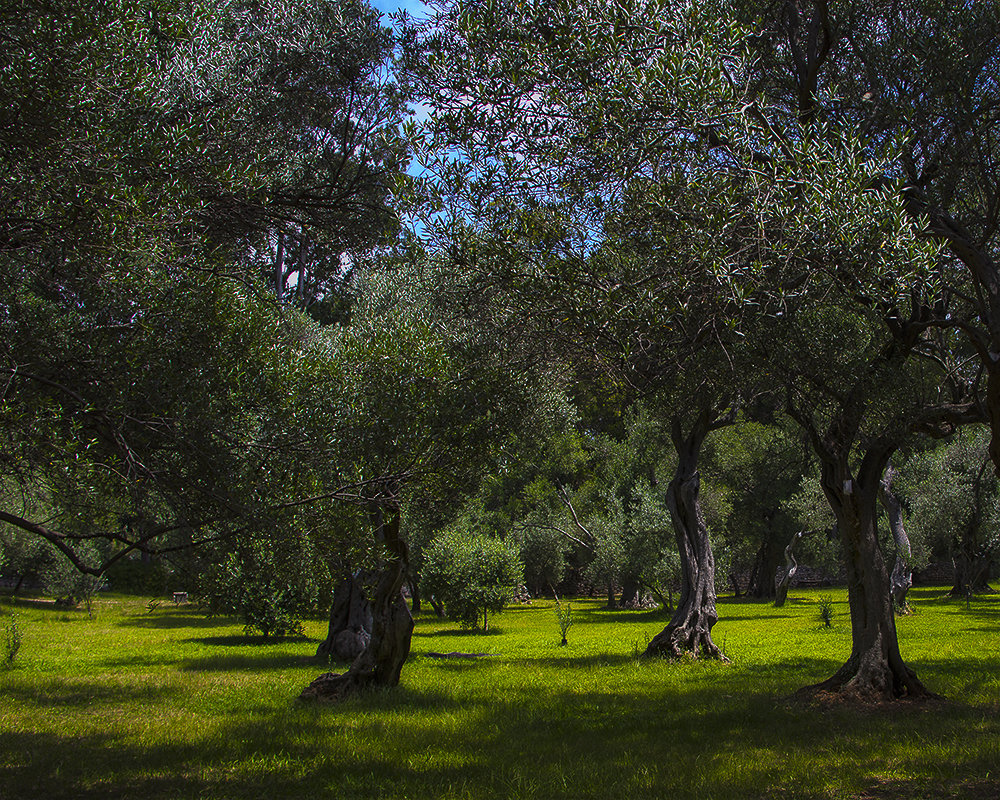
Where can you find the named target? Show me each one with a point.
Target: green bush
(826, 610)
(471, 575)
(265, 596)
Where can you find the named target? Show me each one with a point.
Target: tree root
(866, 685)
(679, 641)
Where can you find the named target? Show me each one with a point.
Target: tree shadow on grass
(624, 615)
(754, 617)
(586, 662)
(459, 633)
(179, 619)
(39, 603)
(235, 662)
(243, 640)
(71, 693)
(958, 673)
(985, 610)
(695, 741)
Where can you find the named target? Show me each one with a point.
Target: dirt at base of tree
(824, 699)
(987, 789)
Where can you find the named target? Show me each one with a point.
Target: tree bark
(765, 567)
(791, 567)
(690, 628)
(993, 399)
(972, 567)
(350, 628)
(902, 576)
(379, 665)
(631, 592)
(875, 670)
(415, 604)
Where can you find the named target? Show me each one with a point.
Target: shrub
(826, 610)
(471, 575)
(266, 597)
(564, 615)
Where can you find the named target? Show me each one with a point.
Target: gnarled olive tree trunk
(782, 583)
(902, 576)
(379, 665)
(351, 622)
(690, 628)
(875, 670)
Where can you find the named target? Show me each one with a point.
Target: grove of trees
(306, 309)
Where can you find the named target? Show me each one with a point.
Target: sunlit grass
(168, 704)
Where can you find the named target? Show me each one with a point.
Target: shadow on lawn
(179, 618)
(699, 741)
(70, 693)
(243, 640)
(604, 614)
(252, 661)
(458, 633)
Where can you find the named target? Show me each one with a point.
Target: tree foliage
(472, 575)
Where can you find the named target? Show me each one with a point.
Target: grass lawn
(169, 704)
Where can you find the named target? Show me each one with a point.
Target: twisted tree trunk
(690, 628)
(791, 567)
(350, 628)
(379, 665)
(902, 576)
(875, 670)
(631, 592)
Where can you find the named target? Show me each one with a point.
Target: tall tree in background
(151, 153)
(919, 82)
(578, 174)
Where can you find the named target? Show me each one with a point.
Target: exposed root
(866, 688)
(677, 642)
(332, 687)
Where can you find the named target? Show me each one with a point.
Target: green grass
(168, 704)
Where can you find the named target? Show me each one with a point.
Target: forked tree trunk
(379, 665)
(875, 670)
(350, 628)
(902, 577)
(782, 582)
(761, 585)
(690, 628)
